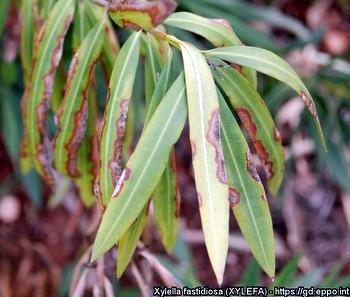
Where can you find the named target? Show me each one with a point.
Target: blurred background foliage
(311, 214)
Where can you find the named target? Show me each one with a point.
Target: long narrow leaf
(144, 168)
(128, 242)
(270, 64)
(247, 195)
(114, 118)
(217, 31)
(38, 93)
(153, 66)
(27, 35)
(257, 121)
(207, 158)
(72, 116)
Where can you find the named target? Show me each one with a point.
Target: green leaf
(71, 119)
(81, 25)
(217, 31)
(110, 46)
(144, 168)
(165, 197)
(128, 242)
(207, 158)
(246, 192)
(115, 117)
(153, 66)
(38, 92)
(272, 65)
(45, 8)
(27, 35)
(257, 121)
(288, 273)
(166, 202)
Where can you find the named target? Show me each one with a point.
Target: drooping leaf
(27, 35)
(257, 121)
(71, 119)
(246, 192)
(81, 25)
(141, 15)
(144, 168)
(217, 31)
(166, 202)
(88, 153)
(49, 44)
(128, 242)
(166, 197)
(207, 157)
(153, 66)
(110, 46)
(115, 117)
(270, 64)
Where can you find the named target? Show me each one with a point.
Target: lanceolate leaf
(114, 118)
(128, 242)
(166, 202)
(144, 168)
(153, 66)
(38, 93)
(72, 116)
(45, 8)
(27, 34)
(110, 46)
(217, 31)
(246, 192)
(270, 64)
(257, 121)
(207, 157)
(81, 25)
(87, 154)
(166, 198)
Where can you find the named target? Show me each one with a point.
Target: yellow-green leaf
(207, 157)
(128, 242)
(27, 35)
(246, 192)
(272, 65)
(115, 117)
(39, 90)
(144, 168)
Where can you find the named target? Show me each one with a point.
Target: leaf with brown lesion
(71, 119)
(47, 56)
(257, 121)
(140, 14)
